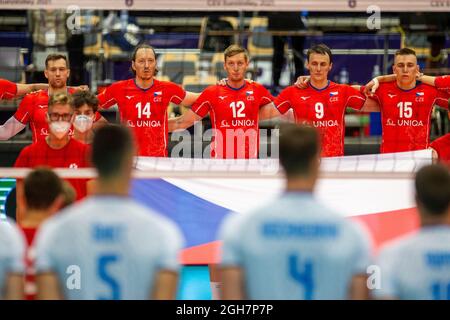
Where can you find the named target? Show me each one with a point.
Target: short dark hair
(320, 49)
(82, 97)
(41, 187)
(433, 189)
(111, 146)
(405, 52)
(142, 45)
(299, 145)
(54, 57)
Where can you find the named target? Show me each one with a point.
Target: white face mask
(83, 123)
(59, 128)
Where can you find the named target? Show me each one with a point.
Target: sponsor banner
(235, 5)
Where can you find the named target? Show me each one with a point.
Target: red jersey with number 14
(144, 111)
(234, 117)
(324, 109)
(8, 89)
(406, 114)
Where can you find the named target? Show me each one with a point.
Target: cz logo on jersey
(334, 96)
(420, 97)
(249, 95)
(157, 96)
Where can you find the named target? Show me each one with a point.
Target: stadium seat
(213, 43)
(176, 66)
(259, 45)
(11, 64)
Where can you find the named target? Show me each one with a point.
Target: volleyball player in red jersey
(43, 195)
(406, 105)
(33, 108)
(321, 102)
(58, 149)
(143, 102)
(234, 108)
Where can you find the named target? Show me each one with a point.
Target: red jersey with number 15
(8, 89)
(234, 117)
(324, 109)
(144, 111)
(406, 114)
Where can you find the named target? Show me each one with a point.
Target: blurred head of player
(236, 61)
(405, 68)
(113, 151)
(85, 104)
(433, 194)
(60, 116)
(300, 156)
(143, 63)
(57, 70)
(43, 195)
(319, 63)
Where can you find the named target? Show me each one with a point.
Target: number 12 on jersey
(302, 272)
(238, 109)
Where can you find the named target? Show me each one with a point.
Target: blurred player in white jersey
(119, 249)
(12, 251)
(418, 266)
(294, 248)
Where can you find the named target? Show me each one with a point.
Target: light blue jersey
(117, 245)
(417, 266)
(12, 249)
(295, 249)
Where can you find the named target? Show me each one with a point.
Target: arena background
(189, 36)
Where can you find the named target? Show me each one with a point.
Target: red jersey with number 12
(144, 111)
(234, 116)
(324, 109)
(406, 114)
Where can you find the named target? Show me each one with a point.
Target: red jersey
(442, 83)
(30, 273)
(442, 147)
(324, 109)
(74, 155)
(234, 117)
(405, 115)
(8, 89)
(145, 111)
(34, 108)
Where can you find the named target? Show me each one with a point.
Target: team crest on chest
(157, 96)
(249, 94)
(334, 96)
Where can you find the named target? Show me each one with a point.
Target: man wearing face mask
(58, 149)
(86, 105)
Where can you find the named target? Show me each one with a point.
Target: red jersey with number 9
(144, 111)
(324, 109)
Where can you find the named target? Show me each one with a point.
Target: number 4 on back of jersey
(302, 272)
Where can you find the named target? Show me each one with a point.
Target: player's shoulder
(35, 95)
(121, 84)
(399, 246)
(9, 231)
(423, 86)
